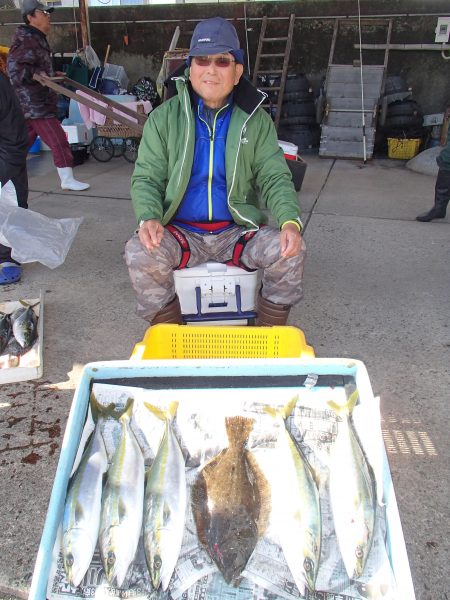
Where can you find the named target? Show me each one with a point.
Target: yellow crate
(403, 148)
(166, 341)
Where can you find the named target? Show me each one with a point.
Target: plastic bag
(8, 196)
(33, 237)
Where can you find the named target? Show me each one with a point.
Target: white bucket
(290, 150)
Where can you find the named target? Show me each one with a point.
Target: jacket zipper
(255, 226)
(212, 134)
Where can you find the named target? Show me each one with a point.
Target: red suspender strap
(184, 245)
(239, 249)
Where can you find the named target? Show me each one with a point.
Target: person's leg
(441, 198)
(52, 134)
(20, 182)
(281, 279)
(151, 274)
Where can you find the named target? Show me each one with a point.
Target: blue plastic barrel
(36, 147)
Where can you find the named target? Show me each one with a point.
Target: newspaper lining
(200, 429)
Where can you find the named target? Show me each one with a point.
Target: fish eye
(157, 562)
(359, 552)
(308, 565)
(111, 558)
(69, 560)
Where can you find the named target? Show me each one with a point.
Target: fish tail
(347, 407)
(282, 412)
(238, 429)
(164, 415)
(109, 410)
(27, 304)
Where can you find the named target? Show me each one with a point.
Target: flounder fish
(352, 492)
(231, 502)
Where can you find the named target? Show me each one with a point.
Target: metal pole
(84, 23)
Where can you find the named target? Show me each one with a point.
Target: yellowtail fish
(297, 511)
(122, 505)
(164, 503)
(231, 502)
(352, 492)
(81, 520)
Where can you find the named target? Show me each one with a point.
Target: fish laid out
(122, 504)
(18, 331)
(164, 503)
(24, 326)
(81, 521)
(297, 505)
(352, 492)
(231, 502)
(5, 330)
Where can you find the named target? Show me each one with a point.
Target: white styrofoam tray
(202, 374)
(31, 363)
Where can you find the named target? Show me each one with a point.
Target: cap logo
(204, 40)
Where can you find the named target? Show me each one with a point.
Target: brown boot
(270, 313)
(171, 313)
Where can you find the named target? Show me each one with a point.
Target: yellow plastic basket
(403, 148)
(166, 341)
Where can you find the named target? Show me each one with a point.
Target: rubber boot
(270, 313)
(441, 198)
(68, 182)
(8, 194)
(171, 313)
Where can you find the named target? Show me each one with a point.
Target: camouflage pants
(151, 272)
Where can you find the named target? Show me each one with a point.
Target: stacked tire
(403, 115)
(298, 123)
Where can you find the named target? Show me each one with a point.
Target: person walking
(442, 187)
(13, 166)
(29, 54)
(205, 157)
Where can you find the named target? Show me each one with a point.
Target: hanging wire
(362, 86)
(75, 21)
(246, 37)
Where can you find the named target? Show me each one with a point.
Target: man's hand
(151, 233)
(290, 240)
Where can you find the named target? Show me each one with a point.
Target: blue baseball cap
(215, 36)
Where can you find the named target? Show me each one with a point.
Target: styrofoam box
(77, 133)
(217, 283)
(222, 374)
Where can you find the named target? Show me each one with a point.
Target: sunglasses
(219, 61)
(44, 12)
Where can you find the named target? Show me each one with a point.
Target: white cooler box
(214, 292)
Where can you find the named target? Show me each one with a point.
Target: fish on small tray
(21, 332)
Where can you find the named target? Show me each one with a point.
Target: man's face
(214, 82)
(41, 20)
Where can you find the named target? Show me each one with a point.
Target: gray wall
(150, 30)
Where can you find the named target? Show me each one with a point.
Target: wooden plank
(352, 90)
(346, 134)
(350, 119)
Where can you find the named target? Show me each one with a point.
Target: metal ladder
(342, 132)
(261, 56)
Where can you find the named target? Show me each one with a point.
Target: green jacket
(254, 162)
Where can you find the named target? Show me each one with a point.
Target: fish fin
(27, 304)
(126, 412)
(347, 407)
(264, 493)
(284, 412)
(78, 512)
(238, 430)
(200, 511)
(122, 509)
(98, 409)
(164, 415)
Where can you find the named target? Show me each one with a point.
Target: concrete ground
(376, 288)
